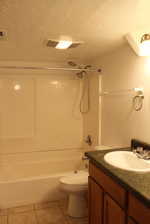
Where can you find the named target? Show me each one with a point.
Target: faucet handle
(138, 150)
(142, 153)
(146, 154)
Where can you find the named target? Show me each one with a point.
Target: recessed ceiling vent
(62, 44)
(3, 35)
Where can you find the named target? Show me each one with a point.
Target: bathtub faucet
(88, 140)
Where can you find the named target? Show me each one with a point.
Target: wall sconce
(139, 42)
(145, 37)
(145, 45)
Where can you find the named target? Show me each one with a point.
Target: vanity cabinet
(102, 208)
(110, 203)
(130, 221)
(112, 212)
(138, 210)
(96, 197)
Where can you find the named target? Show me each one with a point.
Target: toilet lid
(75, 179)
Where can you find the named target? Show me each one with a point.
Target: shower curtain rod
(47, 68)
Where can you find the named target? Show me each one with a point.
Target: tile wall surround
(45, 102)
(42, 115)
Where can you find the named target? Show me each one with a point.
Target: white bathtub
(34, 177)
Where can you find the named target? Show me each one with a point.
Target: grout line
(19, 212)
(37, 221)
(36, 217)
(42, 151)
(64, 214)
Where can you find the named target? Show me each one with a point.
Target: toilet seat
(80, 178)
(75, 182)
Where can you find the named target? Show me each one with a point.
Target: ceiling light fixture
(63, 44)
(145, 45)
(17, 87)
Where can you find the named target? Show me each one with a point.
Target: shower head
(87, 67)
(71, 63)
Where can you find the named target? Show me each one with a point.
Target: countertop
(137, 183)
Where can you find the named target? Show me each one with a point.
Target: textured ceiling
(101, 24)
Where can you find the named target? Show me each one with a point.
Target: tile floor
(45, 213)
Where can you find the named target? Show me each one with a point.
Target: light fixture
(63, 44)
(54, 82)
(17, 87)
(139, 91)
(145, 45)
(145, 37)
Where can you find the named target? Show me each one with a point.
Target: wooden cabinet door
(113, 214)
(138, 211)
(130, 221)
(96, 203)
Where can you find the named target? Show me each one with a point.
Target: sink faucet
(142, 153)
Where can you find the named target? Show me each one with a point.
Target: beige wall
(122, 69)
(42, 115)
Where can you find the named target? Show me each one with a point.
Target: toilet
(76, 186)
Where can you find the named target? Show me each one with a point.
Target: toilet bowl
(76, 185)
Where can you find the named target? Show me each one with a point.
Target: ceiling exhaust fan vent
(53, 43)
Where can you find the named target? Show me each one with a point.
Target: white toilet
(76, 185)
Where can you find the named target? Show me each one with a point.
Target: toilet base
(77, 205)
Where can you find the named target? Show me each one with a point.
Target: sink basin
(127, 161)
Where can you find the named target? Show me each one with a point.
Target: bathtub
(34, 177)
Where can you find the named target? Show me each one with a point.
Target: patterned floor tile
(22, 218)
(50, 216)
(3, 219)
